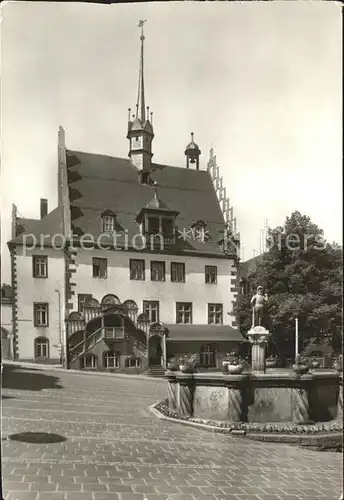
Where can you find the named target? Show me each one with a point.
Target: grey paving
(115, 449)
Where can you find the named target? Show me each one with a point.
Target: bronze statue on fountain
(258, 301)
(258, 335)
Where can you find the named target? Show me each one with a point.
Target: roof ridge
(180, 168)
(74, 151)
(126, 181)
(39, 219)
(161, 165)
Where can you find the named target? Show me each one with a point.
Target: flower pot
(300, 369)
(271, 363)
(186, 368)
(173, 367)
(234, 369)
(315, 364)
(337, 366)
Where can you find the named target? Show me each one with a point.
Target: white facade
(31, 290)
(194, 290)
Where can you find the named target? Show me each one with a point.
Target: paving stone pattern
(115, 449)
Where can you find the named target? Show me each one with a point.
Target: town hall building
(138, 262)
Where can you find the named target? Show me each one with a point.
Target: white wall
(6, 316)
(118, 282)
(194, 289)
(30, 290)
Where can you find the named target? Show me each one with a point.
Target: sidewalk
(59, 368)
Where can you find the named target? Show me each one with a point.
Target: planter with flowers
(232, 363)
(187, 364)
(301, 365)
(338, 364)
(271, 361)
(172, 364)
(315, 362)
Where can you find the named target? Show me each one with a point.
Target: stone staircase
(130, 334)
(85, 345)
(155, 371)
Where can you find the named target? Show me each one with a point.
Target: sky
(260, 82)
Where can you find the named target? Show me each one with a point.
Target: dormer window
(153, 225)
(200, 231)
(108, 222)
(199, 234)
(167, 226)
(157, 222)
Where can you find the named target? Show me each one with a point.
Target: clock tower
(140, 128)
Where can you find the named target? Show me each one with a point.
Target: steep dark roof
(249, 266)
(205, 333)
(98, 183)
(33, 229)
(101, 182)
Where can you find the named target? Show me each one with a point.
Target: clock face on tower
(136, 143)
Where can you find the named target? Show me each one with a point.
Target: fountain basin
(256, 397)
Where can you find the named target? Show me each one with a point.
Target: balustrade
(75, 325)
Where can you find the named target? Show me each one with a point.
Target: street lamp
(61, 344)
(297, 313)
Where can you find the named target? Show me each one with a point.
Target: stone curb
(291, 439)
(302, 440)
(59, 368)
(206, 427)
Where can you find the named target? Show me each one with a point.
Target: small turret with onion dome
(192, 153)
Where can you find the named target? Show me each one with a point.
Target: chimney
(14, 221)
(44, 207)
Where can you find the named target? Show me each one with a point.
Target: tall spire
(141, 106)
(140, 129)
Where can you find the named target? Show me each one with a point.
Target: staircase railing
(85, 345)
(137, 344)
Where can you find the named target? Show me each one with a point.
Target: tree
(302, 275)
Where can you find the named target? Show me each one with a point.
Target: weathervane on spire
(140, 106)
(140, 25)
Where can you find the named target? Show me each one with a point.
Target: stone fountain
(258, 335)
(256, 396)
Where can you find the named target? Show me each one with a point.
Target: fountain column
(172, 393)
(340, 399)
(258, 336)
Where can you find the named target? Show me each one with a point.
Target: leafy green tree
(302, 275)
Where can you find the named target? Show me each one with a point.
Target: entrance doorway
(5, 344)
(155, 351)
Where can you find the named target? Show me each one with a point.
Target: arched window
(111, 359)
(110, 300)
(41, 347)
(207, 356)
(92, 303)
(89, 361)
(75, 316)
(132, 309)
(132, 362)
(130, 304)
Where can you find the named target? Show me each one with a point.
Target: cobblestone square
(112, 447)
